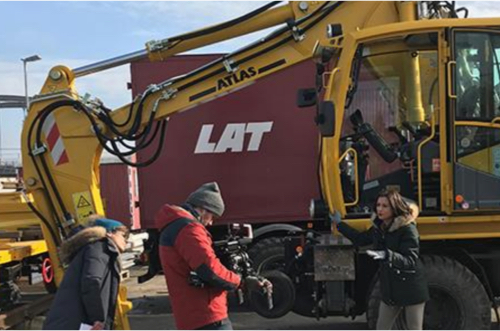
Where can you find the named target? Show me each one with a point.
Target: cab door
(474, 139)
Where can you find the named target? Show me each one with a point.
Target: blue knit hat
(109, 224)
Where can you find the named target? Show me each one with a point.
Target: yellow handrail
(332, 76)
(450, 92)
(419, 158)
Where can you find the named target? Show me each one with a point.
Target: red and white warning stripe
(54, 141)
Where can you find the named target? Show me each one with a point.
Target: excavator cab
(422, 114)
(389, 109)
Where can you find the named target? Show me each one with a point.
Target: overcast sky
(81, 33)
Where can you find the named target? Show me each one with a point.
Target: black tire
(268, 254)
(283, 296)
(458, 299)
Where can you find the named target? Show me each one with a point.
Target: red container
(256, 143)
(120, 195)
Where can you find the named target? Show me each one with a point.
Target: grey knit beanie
(207, 197)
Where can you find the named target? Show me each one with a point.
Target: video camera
(231, 251)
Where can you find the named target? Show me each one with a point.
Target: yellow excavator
(407, 96)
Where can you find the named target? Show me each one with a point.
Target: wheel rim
(442, 311)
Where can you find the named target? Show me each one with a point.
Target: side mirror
(325, 119)
(306, 97)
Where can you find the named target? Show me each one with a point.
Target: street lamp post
(31, 58)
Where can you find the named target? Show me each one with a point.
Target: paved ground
(152, 311)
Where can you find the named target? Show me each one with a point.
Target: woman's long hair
(398, 204)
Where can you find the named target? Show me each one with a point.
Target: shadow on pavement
(155, 313)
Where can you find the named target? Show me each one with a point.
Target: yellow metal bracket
(122, 308)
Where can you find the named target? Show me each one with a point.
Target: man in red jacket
(185, 247)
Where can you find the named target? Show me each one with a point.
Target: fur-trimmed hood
(70, 247)
(400, 221)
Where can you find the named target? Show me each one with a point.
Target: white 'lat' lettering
(204, 145)
(257, 131)
(232, 138)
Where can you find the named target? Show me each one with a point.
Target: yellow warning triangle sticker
(82, 202)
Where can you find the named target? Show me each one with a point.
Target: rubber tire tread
(266, 249)
(449, 274)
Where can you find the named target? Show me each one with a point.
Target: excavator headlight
(334, 30)
(322, 54)
(318, 209)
